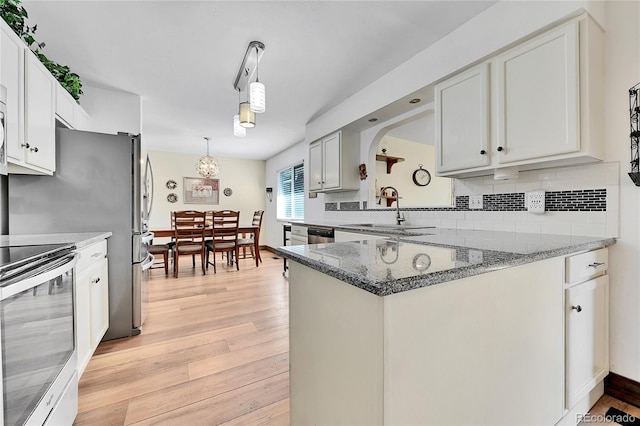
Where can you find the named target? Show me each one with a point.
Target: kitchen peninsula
(453, 327)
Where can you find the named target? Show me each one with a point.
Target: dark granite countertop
(393, 265)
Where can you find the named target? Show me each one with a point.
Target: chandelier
(207, 166)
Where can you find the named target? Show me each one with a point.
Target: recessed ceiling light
(373, 120)
(415, 100)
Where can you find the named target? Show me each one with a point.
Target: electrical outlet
(535, 201)
(475, 202)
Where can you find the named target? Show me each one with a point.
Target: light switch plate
(535, 201)
(475, 202)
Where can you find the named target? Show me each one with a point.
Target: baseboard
(267, 248)
(626, 390)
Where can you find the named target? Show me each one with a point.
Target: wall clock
(421, 177)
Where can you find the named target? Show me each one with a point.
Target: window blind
(290, 198)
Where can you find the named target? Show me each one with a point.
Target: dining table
(242, 230)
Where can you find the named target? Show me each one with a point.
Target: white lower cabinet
(587, 337)
(92, 301)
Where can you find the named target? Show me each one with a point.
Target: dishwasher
(320, 234)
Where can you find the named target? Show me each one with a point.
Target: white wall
(112, 111)
(622, 71)
(437, 193)
(246, 178)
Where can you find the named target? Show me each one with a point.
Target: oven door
(37, 336)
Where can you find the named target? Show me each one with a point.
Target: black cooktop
(22, 257)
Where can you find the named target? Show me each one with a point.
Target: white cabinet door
(537, 97)
(39, 114)
(462, 120)
(331, 160)
(99, 302)
(12, 77)
(315, 166)
(587, 337)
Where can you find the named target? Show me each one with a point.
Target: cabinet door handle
(25, 145)
(96, 255)
(577, 308)
(96, 281)
(33, 149)
(596, 265)
(483, 152)
(500, 148)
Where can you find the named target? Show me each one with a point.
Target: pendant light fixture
(207, 166)
(257, 92)
(238, 130)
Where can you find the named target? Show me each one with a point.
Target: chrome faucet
(399, 217)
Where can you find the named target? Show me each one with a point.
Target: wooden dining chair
(224, 236)
(189, 237)
(249, 241)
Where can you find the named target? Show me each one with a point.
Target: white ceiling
(183, 56)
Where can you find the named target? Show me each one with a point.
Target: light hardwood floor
(214, 350)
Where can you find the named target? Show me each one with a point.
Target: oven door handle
(39, 276)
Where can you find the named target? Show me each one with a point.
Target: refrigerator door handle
(147, 238)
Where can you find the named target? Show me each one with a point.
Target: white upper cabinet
(537, 97)
(12, 77)
(538, 104)
(333, 164)
(39, 114)
(462, 120)
(34, 100)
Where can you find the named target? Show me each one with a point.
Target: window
(290, 200)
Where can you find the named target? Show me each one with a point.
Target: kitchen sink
(387, 226)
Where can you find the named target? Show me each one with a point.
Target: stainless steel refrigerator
(98, 185)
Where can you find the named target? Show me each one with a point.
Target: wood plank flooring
(214, 350)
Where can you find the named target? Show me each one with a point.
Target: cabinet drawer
(582, 267)
(91, 254)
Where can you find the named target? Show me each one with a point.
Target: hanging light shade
(247, 117)
(257, 98)
(238, 130)
(207, 166)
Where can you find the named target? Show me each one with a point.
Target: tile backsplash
(581, 200)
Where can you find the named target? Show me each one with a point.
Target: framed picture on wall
(201, 191)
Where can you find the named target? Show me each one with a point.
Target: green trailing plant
(15, 15)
